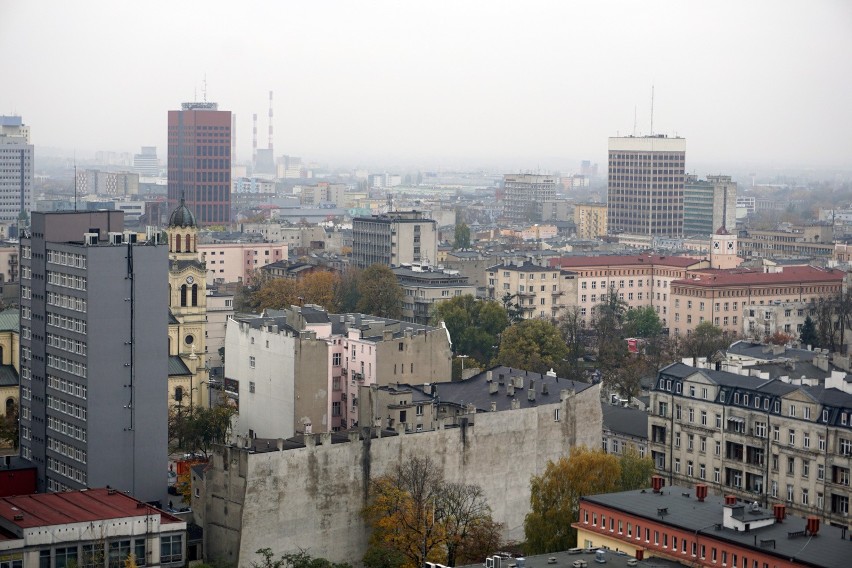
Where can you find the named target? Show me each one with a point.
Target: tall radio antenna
(652, 109)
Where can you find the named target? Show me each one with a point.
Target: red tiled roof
(621, 260)
(738, 277)
(46, 509)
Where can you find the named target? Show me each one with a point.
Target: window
(845, 447)
(704, 416)
(92, 556)
(251, 386)
(791, 439)
(118, 552)
(65, 556)
(820, 472)
(717, 475)
(821, 443)
(806, 439)
(336, 358)
(251, 361)
(171, 548)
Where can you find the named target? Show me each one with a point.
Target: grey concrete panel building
(645, 185)
(525, 195)
(709, 205)
(94, 306)
(16, 168)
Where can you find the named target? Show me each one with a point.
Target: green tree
(642, 322)
(808, 335)
(300, 559)
(534, 345)
(512, 307)
(474, 325)
(555, 497)
(636, 471)
(705, 340)
(197, 429)
(380, 292)
(571, 326)
(462, 236)
(346, 294)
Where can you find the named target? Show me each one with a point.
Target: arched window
(178, 394)
(188, 247)
(194, 294)
(10, 406)
(177, 243)
(183, 295)
(1, 355)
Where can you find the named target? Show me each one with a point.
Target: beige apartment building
(237, 262)
(539, 291)
(641, 280)
(590, 219)
(720, 296)
(765, 440)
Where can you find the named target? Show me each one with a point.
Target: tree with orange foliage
(555, 497)
(780, 338)
(418, 517)
(276, 293)
(318, 288)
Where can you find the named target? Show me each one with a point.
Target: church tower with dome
(188, 379)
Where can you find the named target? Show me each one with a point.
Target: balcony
(357, 376)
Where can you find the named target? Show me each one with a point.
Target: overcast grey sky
(518, 84)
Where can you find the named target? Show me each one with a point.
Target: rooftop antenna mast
(634, 120)
(652, 109)
(75, 181)
(204, 88)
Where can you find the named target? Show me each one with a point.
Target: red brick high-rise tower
(200, 161)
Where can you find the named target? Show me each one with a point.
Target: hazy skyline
(522, 84)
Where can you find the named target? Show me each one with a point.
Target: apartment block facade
(525, 194)
(422, 288)
(765, 440)
(94, 307)
(199, 161)
(709, 204)
(591, 220)
(539, 291)
(721, 296)
(16, 169)
(393, 239)
(300, 369)
(645, 185)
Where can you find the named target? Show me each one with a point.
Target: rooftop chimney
(493, 388)
(510, 389)
(730, 499)
(493, 406)
(701, 491)
(780, 512)
(657, 483)
(813, 525)
(516, 404)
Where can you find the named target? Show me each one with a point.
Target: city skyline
(523, 86)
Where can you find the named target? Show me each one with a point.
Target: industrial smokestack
(254, 140)
(270, 124)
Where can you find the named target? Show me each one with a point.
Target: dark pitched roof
(8, 376)
(172, 318)
(475, 390)
(762, 351)
(629, 421)
(177, 367)
(9, 320)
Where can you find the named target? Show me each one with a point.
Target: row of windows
(66, 322)
(65, 344)
(66, 301)
(58, 425)
(66, 407)
(67, 470)
(67, 365)
(67, 450)
(64, 258)
(66, 280)
(67, 386)
(672, 542)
